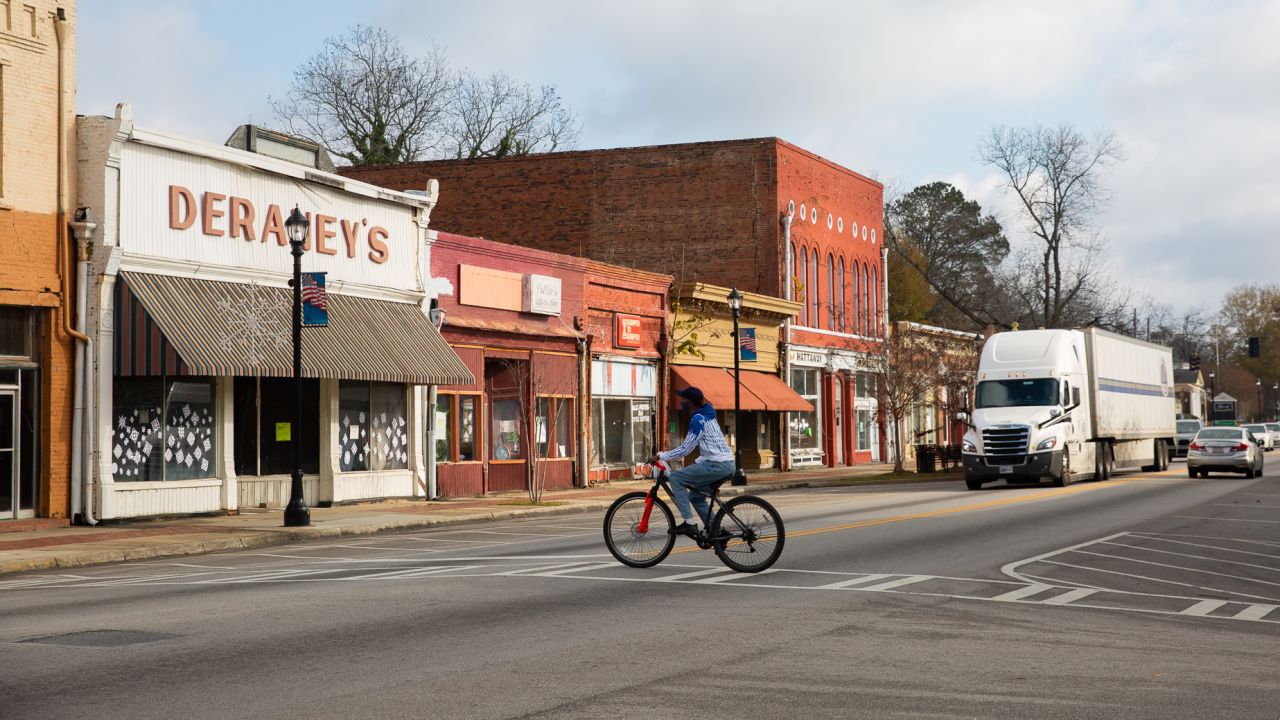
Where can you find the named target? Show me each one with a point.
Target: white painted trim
(165, 484)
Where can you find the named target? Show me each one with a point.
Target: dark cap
(693, 395)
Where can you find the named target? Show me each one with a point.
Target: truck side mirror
(1055, 412)
(1075, 396)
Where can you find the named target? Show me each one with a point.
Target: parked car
(1187, 429)
(1263, 435)
(1224, 449)
(1274, 430)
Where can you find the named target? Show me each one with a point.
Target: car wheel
(1191, 472)
(973, 483)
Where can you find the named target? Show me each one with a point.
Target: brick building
(761, 215)
(37, 276)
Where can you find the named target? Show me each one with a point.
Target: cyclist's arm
(690, 441)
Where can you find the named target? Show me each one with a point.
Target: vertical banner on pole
(315, 301)
(747, 344)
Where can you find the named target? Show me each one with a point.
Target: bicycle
(747, 533)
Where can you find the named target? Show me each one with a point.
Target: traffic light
(1255, 347)
(1194, 363)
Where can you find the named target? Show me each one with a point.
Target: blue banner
(747, 344)
(315, 301)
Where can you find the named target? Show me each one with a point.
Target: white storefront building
(187, 385)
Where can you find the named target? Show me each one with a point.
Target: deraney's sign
(220, 216)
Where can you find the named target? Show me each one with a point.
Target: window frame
(552, 429)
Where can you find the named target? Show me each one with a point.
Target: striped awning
(223, 328)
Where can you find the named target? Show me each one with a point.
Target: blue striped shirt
(704, 434)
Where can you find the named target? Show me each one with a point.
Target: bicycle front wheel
(625, 538)
(750, 534)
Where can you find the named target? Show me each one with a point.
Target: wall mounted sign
(541, 295)
(626, 331)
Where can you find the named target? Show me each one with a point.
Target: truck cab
(1030, 414)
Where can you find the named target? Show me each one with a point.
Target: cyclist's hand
(652, 460)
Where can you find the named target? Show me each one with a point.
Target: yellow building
(700, 352)
(37, 276)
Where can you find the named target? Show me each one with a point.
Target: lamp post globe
(296, 513)
(735, 305)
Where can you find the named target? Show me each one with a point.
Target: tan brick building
(37, 131)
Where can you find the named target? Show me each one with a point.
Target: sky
(900, 91)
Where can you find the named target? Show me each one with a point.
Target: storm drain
(101, 638)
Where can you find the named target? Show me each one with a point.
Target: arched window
(804, 290)
(791, 274)
(866, 302)
(832, 295)
(856, 287)
(840, 318)
(875, 305)
(814, 272)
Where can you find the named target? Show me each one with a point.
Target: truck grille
(1006, 443)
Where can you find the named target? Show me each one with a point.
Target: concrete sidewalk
(64, 547)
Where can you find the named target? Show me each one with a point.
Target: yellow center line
(1044, 495)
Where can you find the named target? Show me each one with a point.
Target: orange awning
(777, 395)
(760, 391)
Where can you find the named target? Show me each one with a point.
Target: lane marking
(1196, 557)
(1252, 506)
(1020, 593)
(1011, 569)
(1204, 607)
(850, 583)
(900, 582)
(1201, 517)
(540, 568)
(1219, 591)
(588, 568)
(696, 573)
(731, 576)
(1071, 596)
(1179, 567)
(1210, 547)
(1255, 612)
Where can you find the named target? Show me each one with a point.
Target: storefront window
(508, 431)
(467, 428)
(621, 430)
(162, 429)
(832, 294)
(455, 424)
(373, 427)
(803, 426)
(552, 427)
(864, 429)
(444, 428)
(16, 332)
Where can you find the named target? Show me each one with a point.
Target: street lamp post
(1213, 393)
(735, 304)
(1258, 383)
(296, 514)
(1275, 399)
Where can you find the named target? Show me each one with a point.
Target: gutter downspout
(78, 372)
(784, 461)
(430, 451)
(884, 334)
(584, 362)
(82, 466)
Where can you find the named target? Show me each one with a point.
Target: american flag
(313, 292)
(747, 340)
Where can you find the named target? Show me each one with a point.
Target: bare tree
(495, 116)
(1056, 175)
(906, 368)
(366, 100)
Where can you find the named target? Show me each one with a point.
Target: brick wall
(29, 275)
(700, 212)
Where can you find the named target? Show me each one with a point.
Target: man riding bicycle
(715, 462)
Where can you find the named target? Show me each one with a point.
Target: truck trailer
(1068, 405)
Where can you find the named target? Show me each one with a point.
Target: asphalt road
(1148, 596)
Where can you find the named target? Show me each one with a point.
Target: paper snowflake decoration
(257, 325)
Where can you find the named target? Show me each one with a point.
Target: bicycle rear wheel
(622, 531)
(752, 534)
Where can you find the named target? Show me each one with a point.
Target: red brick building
(760, 214)
(627, 336)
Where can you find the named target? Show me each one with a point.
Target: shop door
(838, 407)
(8, 454)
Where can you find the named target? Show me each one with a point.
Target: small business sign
(803, 357)
(626, 331)
(541, 295)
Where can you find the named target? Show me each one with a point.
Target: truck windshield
(1017, 393)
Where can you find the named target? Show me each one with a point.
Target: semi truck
(1068, 405)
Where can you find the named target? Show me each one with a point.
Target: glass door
(8, 454)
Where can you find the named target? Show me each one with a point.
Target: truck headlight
(966, 446)
(1048, 444)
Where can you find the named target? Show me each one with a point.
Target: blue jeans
(698, 476)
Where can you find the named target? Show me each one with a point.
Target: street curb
(268, 537)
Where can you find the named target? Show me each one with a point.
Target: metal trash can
(926, 458)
